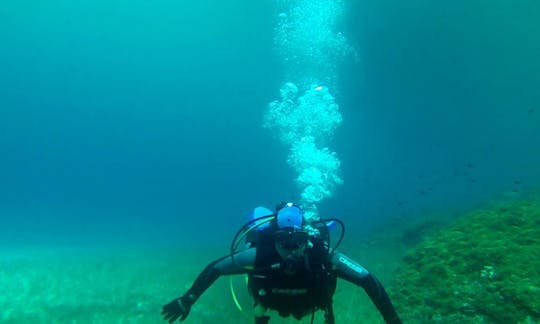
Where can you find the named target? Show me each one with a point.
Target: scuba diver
(291, 268)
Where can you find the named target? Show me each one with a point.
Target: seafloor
(483, 267)
(61, 285)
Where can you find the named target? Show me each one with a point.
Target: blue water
(140, 122)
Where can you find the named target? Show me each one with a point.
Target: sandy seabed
(129, 285)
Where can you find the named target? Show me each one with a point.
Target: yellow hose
(235, 298)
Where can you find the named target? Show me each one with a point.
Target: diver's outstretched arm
(353, 272)
(241, 262)
(227, 265)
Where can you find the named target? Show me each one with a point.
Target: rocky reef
(484, 268)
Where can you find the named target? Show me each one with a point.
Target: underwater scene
(148, 146)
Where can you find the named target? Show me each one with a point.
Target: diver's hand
(179, 307)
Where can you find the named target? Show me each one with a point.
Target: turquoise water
(137, 124)
(129, 118)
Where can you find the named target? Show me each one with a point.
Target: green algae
(484, 268)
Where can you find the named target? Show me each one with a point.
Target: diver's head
(291, 240)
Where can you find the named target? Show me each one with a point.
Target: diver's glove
(179, 307)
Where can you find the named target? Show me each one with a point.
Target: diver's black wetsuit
(309, 289)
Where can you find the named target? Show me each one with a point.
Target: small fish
(517, 182)
(531, 110)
